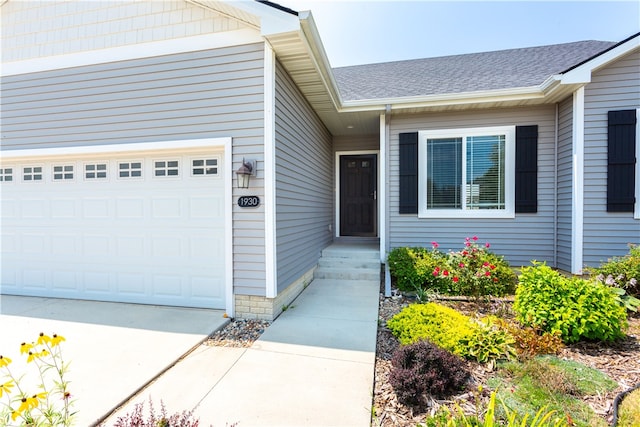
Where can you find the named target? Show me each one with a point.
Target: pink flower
(466, 239)
(487, 245)
(475, 238)
(436, 272)
(467, 244)
(493, 267)
(435, 245)
(487, 273)
(465, 253)
(461, 265)
(445, 273)
(486, 264)
(455, 280)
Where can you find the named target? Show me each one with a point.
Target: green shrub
(529, 341)
(577, 308)
(421, 369)
(629, 410)
(441, 325)
(489, 343)
(473, 271)
(412, 268)
(622, 274)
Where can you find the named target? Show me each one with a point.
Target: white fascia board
(134, 51)
(272, 20)
(577, 209)
(92, 150)
(311, 37)
(501, 95)
(582, 74)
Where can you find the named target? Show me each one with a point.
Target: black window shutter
(621, 158)
(526, 184)
(409, 173)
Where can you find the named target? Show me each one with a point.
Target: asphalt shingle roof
(502, 69)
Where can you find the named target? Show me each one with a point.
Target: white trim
(582, 73)
(337, 180)
(227, 170)
(92, 150)
(636, 214)
(577, 210)
(509, 190)
(135, 51)
(271, 271)
(382, 188)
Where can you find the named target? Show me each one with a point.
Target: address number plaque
(248, 201)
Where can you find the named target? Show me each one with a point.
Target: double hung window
(467, 172)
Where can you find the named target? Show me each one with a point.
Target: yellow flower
(14, 415)
(6, 387)
(57, 339)
(4, 361)
(43, 339)
(24, 348)
(31, 357)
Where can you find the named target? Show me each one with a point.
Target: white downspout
(577, 211)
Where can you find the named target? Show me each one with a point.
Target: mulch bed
(620, 361)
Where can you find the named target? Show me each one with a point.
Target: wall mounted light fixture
(244, 173)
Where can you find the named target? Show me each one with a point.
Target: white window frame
(166, 168)
(64, 172)
(96, 171)
(3, 175)
(129, 162)
(510, 165)
(204, 159)
(42, 173)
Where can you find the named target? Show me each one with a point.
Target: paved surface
(313, 366)
(113, 349)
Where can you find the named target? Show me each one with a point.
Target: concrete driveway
(114, 349)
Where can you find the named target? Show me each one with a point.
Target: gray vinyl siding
(524, 238)
(615, 87)
(356, 143)
(565, 183)
(205, 94)
(304, 183)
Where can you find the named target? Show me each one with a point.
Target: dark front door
(358, 194)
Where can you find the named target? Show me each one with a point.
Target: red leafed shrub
(423, 369)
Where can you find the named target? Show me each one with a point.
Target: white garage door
(142, 227)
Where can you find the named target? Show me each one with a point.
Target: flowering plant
(50, 403)
(476, 271)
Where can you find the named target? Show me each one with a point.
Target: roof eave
(530, 93)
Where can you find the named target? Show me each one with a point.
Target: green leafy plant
(412, 268)
(48, 404)
(576, 308)
(489, 343)
(441, 325)
(421, 369)
(622, 272)
(495, 415)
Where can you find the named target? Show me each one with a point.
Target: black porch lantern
(244, 173)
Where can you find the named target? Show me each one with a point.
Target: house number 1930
(248, 201)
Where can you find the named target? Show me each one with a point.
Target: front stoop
(349, 262)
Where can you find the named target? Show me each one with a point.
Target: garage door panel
(143, 239)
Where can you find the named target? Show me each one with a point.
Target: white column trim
(577, 211)
(271, 271)
(228, 227)
(382, 189)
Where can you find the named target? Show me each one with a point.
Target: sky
(367, 31)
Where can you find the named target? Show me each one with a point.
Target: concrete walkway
(113, 349)
(314, 366)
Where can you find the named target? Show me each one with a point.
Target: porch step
(349, 262)
(347, 273)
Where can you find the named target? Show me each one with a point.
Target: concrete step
(337, 262)
(339, 252)
(342, 273)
